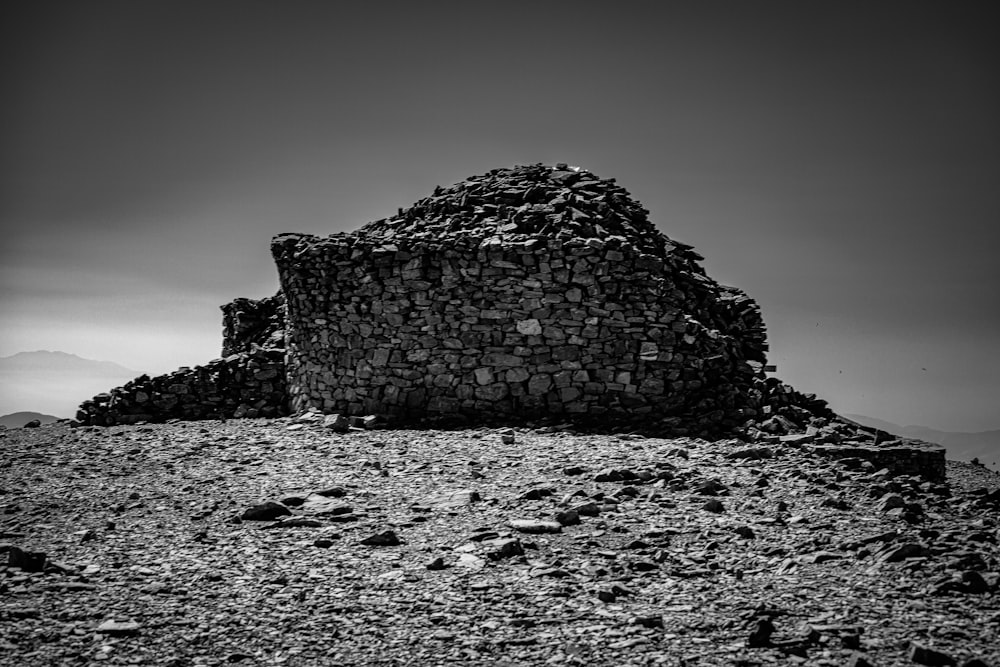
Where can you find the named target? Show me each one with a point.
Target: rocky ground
(493, 547)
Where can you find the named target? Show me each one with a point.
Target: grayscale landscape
(502, 334)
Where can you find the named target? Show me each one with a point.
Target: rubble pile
(249, 384)
(525, 292)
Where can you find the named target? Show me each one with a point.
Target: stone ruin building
(522, 294)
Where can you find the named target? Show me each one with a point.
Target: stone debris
(29, 561)
(925, 655)
(386, 538)
(532, 526)
(268, 511)
(118, 628)
(427, 564)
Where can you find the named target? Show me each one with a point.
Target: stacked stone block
(247, 323)
(523, 293)
(250, 384)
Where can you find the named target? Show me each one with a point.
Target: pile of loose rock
(249, 384)
(295, 542)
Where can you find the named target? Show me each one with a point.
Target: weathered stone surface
(245, 384)
(247, 323)
(520, 293)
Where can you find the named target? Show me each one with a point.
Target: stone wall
(483, 328)
(249, 384)
(520, 294)
(253, 322)
(900, 457)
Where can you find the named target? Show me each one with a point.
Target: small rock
(890, 501)
(606, 596)
(643, 566)
(532, 526)
(904, 551)
(29, 561)
(238, 657)
(436, 564)
(386, 538)
(709, 487)
(118, 628)
(613, 475)
(470, 561)
(973, 582)
(268, 511)
(459, 498)
(323, 542)
(337, 422)
(568, 518)
(822, 557)
(500, 549)
(537, 493)
(859, 660)
(752, 453)
(761, 634)
(836, 503)
(924, 655)
(332, 492)
(296, 522)
(587, 509)
(746, 532)
(654, 621)
(714, 505)
(367, 422)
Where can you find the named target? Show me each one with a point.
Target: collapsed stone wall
(253, 322)
(522, 293)
(248, 384)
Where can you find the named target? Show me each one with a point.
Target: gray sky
(838, 161)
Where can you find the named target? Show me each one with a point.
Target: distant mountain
(19, 419)
(61, 362)
(984, 445)
(55, 383)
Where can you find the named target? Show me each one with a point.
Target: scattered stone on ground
(138, 559)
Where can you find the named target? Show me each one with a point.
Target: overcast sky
(838, 161)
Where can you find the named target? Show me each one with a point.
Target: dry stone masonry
(522, 293)
(250, 384)
(250, 323)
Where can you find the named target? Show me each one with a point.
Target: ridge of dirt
(432, 548)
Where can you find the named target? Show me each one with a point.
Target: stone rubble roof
(523, 202)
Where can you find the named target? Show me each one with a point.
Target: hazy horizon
(837, 162)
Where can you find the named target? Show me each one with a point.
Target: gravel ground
(432, 547)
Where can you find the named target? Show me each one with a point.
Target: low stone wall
(901, 457)
(481, 329)
(250, 384)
